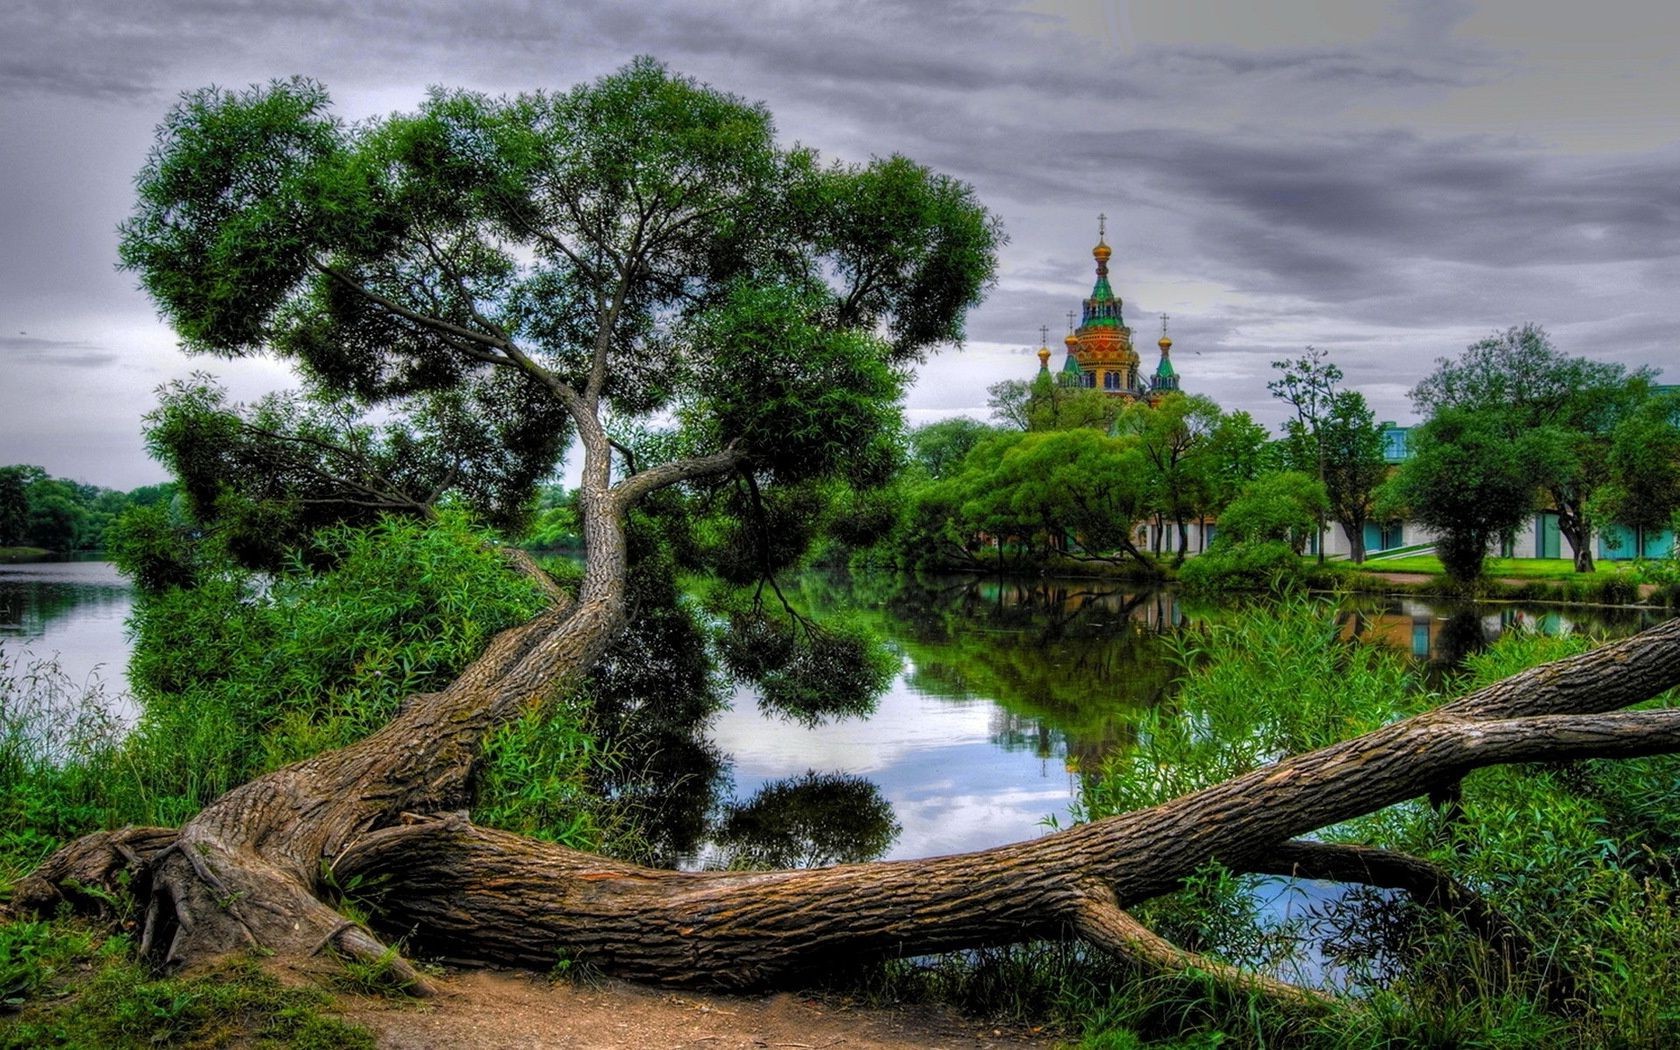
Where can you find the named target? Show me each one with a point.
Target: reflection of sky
(951, 788)
(73, 612)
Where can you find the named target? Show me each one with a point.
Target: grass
(8, 554)
(64, 984)
(1516, 568)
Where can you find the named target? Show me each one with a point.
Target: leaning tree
(579, 265)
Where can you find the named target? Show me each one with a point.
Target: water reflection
(806, 821)
(72, 612)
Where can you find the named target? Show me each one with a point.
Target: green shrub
(1266, 565)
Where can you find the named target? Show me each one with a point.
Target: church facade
(1100, 354)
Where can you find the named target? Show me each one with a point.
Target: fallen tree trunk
(476, 894)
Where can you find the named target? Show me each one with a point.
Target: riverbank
(12, 555)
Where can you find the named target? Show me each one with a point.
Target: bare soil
(499, 1009)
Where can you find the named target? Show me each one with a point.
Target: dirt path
(497, 1010)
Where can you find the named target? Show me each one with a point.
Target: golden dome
(1102, 252)
(1044, 356)
(1071, 339)
(1164, 343)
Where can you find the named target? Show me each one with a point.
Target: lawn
(1504, 568)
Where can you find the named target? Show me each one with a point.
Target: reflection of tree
(807, 821)
(1462, 635)
(32, 604)
(651, 695)
(1068, 661)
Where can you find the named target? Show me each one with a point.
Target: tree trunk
(256, 868)
(1355, 532)
(1573, 526)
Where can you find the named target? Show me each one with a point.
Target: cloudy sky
(1386, 181)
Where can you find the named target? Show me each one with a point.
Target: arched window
(1111, 380)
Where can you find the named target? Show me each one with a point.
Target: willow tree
(633, 251)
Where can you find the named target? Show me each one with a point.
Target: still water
(72, 613)
(1006, 690)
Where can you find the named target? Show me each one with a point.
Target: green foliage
(238, 675)
(1071, 493)
(940, 448)
(1281, 507)
(56, 514)
(535, 777)
(1576, 855)
(1055, 405)
(58, 743)
(804, 672)
(68, 987)
(1466, 482)
(1239, 451)
(836, 412)
(1354, 467)
(1265, 566)
(464, 271)
(1643, 488)
(14, 507)
(1557, 413)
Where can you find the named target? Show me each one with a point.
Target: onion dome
(1044, 359)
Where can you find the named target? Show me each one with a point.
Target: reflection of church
(1099, 351)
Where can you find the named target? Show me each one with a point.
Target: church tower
(1099, 351)
(1166, 380)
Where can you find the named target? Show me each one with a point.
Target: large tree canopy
(503, 271)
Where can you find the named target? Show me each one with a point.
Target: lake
(72, 612)
(1006, 690)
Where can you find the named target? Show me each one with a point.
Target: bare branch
(1100, 920)
(638, 485)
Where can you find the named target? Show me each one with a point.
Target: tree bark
(1355, 532)
(257, 867)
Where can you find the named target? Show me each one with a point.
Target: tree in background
(57, 514)
(1354, 468)
(1467, 482)
(940, 448)
(1562, 410)
(1281, 507)
(1308, 385)
(1239, 451)
(1174, 438)
(1643, 487)
(1008, 399)
(14, 506)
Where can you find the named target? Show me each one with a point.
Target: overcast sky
(1386, 181)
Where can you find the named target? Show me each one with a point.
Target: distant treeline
(57, 514)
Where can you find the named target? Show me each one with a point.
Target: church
(1099, 351)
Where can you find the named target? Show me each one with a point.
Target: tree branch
(638, 485)
(436, 324)
(1101, 921)
(1431, 886)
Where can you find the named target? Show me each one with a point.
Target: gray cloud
(1387, 182)
(24, 349)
